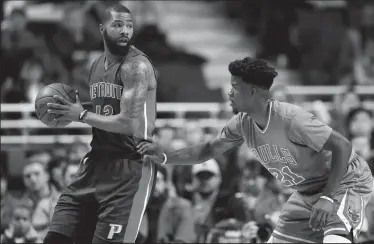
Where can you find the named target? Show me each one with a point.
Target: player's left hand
(150, 151)
(321, 211)
(66, 110)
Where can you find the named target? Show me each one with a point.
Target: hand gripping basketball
(66, 110)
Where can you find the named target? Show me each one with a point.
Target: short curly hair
(253, 71)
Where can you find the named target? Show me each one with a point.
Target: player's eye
(129, 26)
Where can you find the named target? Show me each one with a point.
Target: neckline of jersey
(269, 118)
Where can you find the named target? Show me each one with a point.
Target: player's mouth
(231, 102)
(123, 41)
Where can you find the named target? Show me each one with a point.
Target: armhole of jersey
(93, 66)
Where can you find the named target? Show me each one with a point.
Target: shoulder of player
(136, 64)
(288, 111)
(95, 60)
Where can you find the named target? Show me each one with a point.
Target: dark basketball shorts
(350, 200)
(106, 201)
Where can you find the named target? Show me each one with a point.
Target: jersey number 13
(107, 110)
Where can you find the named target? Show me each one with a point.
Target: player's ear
(102, 29)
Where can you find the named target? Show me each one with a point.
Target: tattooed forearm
(135, 89)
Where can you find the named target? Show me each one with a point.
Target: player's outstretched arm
(137, 78)
(195, 154)
(229, 137)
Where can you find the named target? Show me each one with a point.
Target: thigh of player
(351, 199)
(350, 211)
(293, 223)
(123, 191)
(75, 212)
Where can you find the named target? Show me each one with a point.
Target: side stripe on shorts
(143, 194)
(140, 202)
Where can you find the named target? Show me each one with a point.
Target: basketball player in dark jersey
(112, 183)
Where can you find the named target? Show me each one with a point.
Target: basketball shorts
(106, 201)
(350, 200)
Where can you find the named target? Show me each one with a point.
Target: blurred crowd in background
(209, 202)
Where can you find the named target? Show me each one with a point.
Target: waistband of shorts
(107, 156)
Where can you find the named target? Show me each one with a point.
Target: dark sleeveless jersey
(106, 89)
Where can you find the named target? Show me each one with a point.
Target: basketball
(45, 96)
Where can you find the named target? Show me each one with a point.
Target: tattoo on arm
(136, 79)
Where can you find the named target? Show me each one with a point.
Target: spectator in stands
(165, 136)
(359, 123)
(364, 65)
(75, 33)
(77, 151)
(170, 217)
(193, 133)
(40, 195)
(31, 76)
(70, 172)
(209, 202)
(20, 229)
(7, 201)
(17, 42)
(230, 231)
(42, 156)
(60, 150)
(257, 186)
(281, 93)
(55, 169)
(343, 103)
(361, 145)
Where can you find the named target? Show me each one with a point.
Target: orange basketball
(46, 96)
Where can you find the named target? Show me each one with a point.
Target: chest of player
(106, 88)
(273, 151)
(276, 152)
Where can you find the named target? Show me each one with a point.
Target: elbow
(338, 143)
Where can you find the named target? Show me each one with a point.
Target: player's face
(240, 95)
(118, 32)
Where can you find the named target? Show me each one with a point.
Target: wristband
(327, 198)
(82, 114)
(165, 158)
